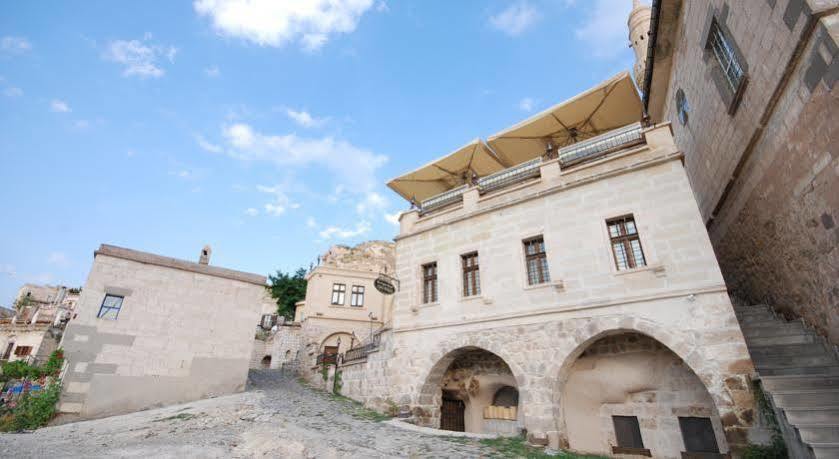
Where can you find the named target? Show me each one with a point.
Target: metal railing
(358, 353)
(596, 146)
(443, 199)
(509, 176)
(327, 359)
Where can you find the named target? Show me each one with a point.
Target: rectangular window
(471, 274)
(723, 51)
(628, 436)
(537, 261)
(357, 297)
(626, 244)
(429, 283)
(23, 351)
(698, 434)
(338, 292)
(110, 308)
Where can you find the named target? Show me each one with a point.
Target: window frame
(103, 309)
(433, 279)
(683, 420)
(470, 275)
(621, 446)
(722, 50)
(625, 239)
(340, 290)
(357, 296)
(682, 107)
(543, 275)
(17, 352)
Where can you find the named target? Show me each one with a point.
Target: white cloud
(208, 146)
(393, 218)
(140, 58)
(59, 106)
(81, 124)
(303, 118)
(12, 92)
(289, 150)
(526, 104)
(281, 202)
(212, 72)
(275, 23)
(15, 45)
(58, 259)
(515, 19)
(337, 232)
(381, 6)
(372, 202)
(604, 32)
(311, 223)
(251, 212)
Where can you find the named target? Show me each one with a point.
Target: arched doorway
(627, 393)
(462, 389)
(266, 361)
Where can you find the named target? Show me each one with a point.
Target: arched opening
(266, 361)
(337, 343)
(288, 355)
(627, 393)
(462, 390)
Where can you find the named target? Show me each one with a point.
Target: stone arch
(266, 361)
(332, 338)
(683, 344)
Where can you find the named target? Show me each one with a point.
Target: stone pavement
(275, 417)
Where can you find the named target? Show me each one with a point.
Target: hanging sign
(384, 285)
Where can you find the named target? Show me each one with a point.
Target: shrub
(32, 410)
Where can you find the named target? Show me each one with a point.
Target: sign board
(384, 285)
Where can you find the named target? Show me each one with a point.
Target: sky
(264, 128)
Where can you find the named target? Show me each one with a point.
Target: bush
(32, 410)
(20, 370)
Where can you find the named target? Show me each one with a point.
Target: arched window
(266, 361)
(507, 396)
(682, 107)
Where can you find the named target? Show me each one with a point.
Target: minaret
(639, 30)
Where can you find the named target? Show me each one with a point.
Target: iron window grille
(471, 274)
(357, 296)
(626, 243)
(537, 261)
(429, 283)
(110, 308)
(723, 51)
(338, 292)
(23, 351)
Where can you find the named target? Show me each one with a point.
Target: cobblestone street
(275, 417)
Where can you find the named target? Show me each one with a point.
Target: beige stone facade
(763, 160)
(691, 359)
(35, 329)
(181, 331)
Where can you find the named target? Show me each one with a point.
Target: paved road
(275, 417)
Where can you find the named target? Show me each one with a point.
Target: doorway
(452, 413)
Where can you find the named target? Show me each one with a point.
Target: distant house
(152, 330)
(32, 331)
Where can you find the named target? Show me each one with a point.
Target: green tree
(287, 289)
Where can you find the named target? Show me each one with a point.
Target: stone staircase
(799, 371)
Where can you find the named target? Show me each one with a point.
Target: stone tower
(639, 29)
(204, 259)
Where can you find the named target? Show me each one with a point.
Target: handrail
(596, 146)
(443, 199)
(515, 174)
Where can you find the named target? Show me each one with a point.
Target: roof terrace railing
(443, 199)
(509, 176)
(596, 146)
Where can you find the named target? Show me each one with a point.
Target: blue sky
(265, 130)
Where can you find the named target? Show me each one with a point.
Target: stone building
(559, 278)
(151, 330)
(34, 329)
(749, 89)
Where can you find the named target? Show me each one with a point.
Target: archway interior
(471, 386)
(337, 343)
(629, 392)
(266, 361)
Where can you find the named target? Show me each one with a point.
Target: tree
(287, 289)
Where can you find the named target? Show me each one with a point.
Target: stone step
(810, 416)
(752, 308)
(821, 433)
(743, 313)
(789, 349)
(797, 382)
(806, 398)
(824, 370)
(825, 450)
(749, 322)
(796, 338)
(775, 329)
(786, 361)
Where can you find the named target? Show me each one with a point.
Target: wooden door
(452, 414)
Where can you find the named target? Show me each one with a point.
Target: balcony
(443, 199)
(510, 176)
(603, 144)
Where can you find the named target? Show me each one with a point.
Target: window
(698, 434)
(429, 283)
(338, 292)
(23, 351)
(628, 436)
(268, 321)
(682, 107)
(506, 396)
(471, 274)
(357, 297)
(626, 245)
(110, 308)
(723, 51)
(537, 261)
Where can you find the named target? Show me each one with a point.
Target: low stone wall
(367, 380)
(283, 346)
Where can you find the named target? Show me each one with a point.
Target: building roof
(174, 263)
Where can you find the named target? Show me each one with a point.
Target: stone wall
(180, 335)
(283, 345)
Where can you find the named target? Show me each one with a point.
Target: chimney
(205, 255)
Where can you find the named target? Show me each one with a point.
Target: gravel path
(275, 417)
